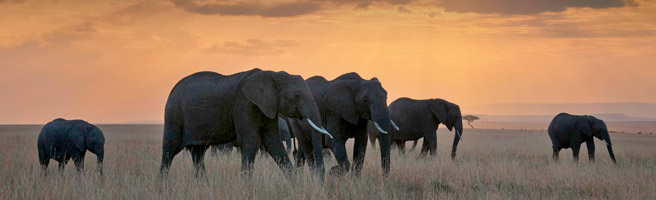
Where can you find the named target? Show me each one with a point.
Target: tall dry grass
(491, 164)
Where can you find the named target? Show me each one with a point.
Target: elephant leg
(79, 163)
(62, 164)
(44, 167)
(414, 145)
(317, 165)
(555, 153)
(167, 158)
(44, 160)
(275, 148)
(197, 156)
(343, 164)
(171, 145)
(431, 138)
(591, 149)
(372, 139)
(424, 148)
(359, 151)
(575, 151)
(304, 147)
(248, 153)
(300, 157)
(401, 146)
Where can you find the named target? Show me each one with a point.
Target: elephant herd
(259, 109)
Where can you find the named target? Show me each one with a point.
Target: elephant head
(448, 113)
(90, 137)
(594, 127)
(354, 99)
(280, 92)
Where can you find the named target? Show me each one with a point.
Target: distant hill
(145, 122)
(637, 111)
(612, 117)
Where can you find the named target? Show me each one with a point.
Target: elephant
(62, 140)
(208, 108)
(346, 104)
(420, 119)
(569, 131)
(284, 133)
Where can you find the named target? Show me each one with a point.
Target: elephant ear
(77, 133)
(583, 124)
(340, 99)
(439, 109)
(261, 90)
(453, 113)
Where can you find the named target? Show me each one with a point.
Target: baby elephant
(63, 139)
(569, 131)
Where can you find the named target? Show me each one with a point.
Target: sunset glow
(116, 61)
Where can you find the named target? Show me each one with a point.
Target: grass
(491, 164)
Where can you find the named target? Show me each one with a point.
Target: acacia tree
(470, 119)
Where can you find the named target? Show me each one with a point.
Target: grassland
(491, 164)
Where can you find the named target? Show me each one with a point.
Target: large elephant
(285, 133)
(346, 105)
(420, 118)
(207, 108)
(63, 139)
(569, 131)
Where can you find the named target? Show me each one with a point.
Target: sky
(116, 61)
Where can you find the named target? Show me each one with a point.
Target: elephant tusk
(458, 133)
(380, 129)
(394, 125)
(607, 144)
(321, 130)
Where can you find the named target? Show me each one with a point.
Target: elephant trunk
(606, 138)
(385, 142)
(456, 138)
(383, 123)
(381, 118)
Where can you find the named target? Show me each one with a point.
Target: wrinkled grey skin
(346, 104)
(62, 140)
(569, 131)
(283, 127)
(207, 108)
(420, 119)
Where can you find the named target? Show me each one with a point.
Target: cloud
(253, 47)
(14, 1)
(279, 9)
(527, 7)
(365, 3)
(289, 9)
(402, 9)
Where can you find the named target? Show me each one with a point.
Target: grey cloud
(527, 7)
(363, 4)
(402, 9)
(290, 9)
(253, 47)
(285, 9)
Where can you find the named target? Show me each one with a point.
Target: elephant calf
(569, 131)
(63, 139)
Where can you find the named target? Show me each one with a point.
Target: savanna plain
(491, 164)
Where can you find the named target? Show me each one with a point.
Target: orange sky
(116, 61)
